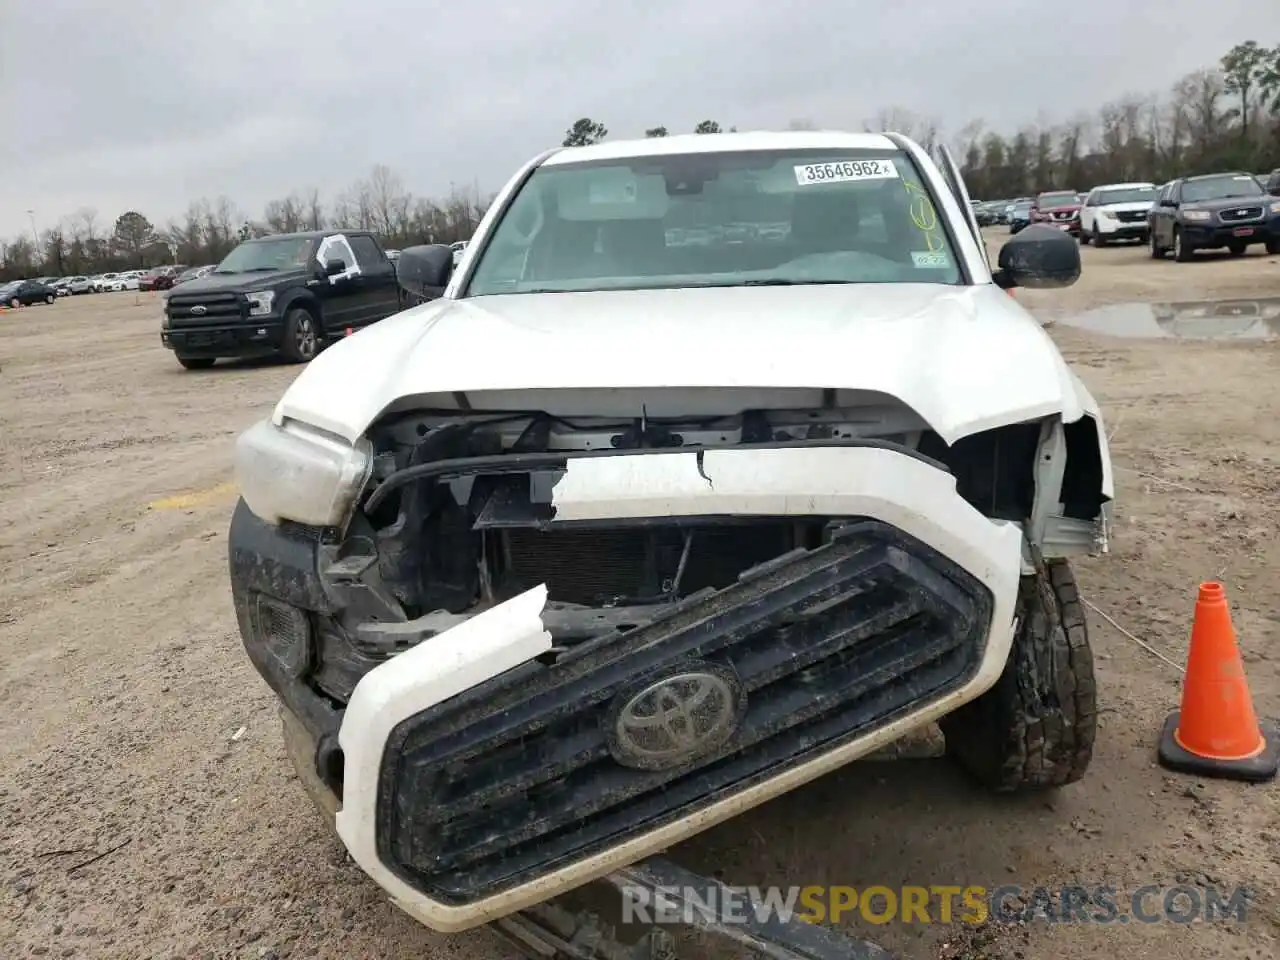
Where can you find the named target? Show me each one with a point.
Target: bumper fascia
(877, 483)
(226, 341)
(1216, 235)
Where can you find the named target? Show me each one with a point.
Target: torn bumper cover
(480, 775)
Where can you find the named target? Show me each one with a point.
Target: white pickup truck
(612, 540)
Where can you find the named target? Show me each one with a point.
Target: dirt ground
(123, 684)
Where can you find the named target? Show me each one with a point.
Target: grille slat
(488, 791)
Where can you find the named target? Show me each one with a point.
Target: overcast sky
(146, 104)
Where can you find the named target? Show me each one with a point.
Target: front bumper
(1121, 229)
(1213, 235)
(476, 780)
(224, 341)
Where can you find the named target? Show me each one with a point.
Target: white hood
(966, 359)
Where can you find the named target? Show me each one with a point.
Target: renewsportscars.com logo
(1100, 904)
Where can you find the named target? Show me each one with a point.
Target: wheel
(1181, 251)
(1084, 237)
(1273, 246)
(301, 336)
(49, 298)
(196, 363)
(1237, 249)
(1157, 251)
(1098, 239)
(15, 303)
(1035, 728)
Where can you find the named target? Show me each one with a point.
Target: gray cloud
(145, 105)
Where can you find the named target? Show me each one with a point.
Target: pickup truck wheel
(301, 336)
(1035, 728)
(196, 363)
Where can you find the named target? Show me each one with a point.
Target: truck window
(368, 255)
(337, 247)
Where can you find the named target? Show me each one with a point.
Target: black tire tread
(1035, 728)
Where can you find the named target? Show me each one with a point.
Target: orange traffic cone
(1217, 733)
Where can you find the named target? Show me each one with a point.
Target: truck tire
(1035, 728)
(301, 340)
(196, 363)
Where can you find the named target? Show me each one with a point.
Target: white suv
(1116, 211)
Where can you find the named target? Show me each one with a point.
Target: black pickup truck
(285, 294)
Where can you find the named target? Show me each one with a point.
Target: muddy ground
(123, 683)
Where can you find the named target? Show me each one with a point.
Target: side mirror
(1039, 258)
(334, 267)
(424, 271)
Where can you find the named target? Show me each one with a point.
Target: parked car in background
(1213, 211)
(1058, 208)
(23, 293)
(286, 294)
(160, 278)
(1116, 211)
(79, 285)
(103, 281)
(1019, 214)
(192, 273)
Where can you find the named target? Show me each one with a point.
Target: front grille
(218, 307)
(515, 777)
(1240, 214)
(1063, 214)
(1132, 216)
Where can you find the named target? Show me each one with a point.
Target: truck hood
(237, 282)
(1228, 203)
(965, 359)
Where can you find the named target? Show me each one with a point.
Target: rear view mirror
(424, 271)
(1039, 258)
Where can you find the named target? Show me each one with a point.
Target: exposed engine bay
(459, 516)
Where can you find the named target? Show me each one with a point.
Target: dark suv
(1211, 212)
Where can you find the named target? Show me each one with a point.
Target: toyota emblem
(676, 718)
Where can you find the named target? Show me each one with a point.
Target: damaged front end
(531, 649)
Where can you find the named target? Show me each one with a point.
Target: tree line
(1226, 117)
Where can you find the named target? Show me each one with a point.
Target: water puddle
(1257, 319)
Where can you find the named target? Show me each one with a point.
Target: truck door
(380, 291)
(340, 295)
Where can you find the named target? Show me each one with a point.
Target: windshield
(719, 219)
(1058, 200)
(283, 253)
(1127, 195)
(1220, 188)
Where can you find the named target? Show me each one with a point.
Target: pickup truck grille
(183, 308)
(1240, 214)
(516, 777)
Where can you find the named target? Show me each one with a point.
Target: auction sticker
(927, 260)
(843, 171)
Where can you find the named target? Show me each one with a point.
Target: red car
(159, 278)
(1058, 208)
